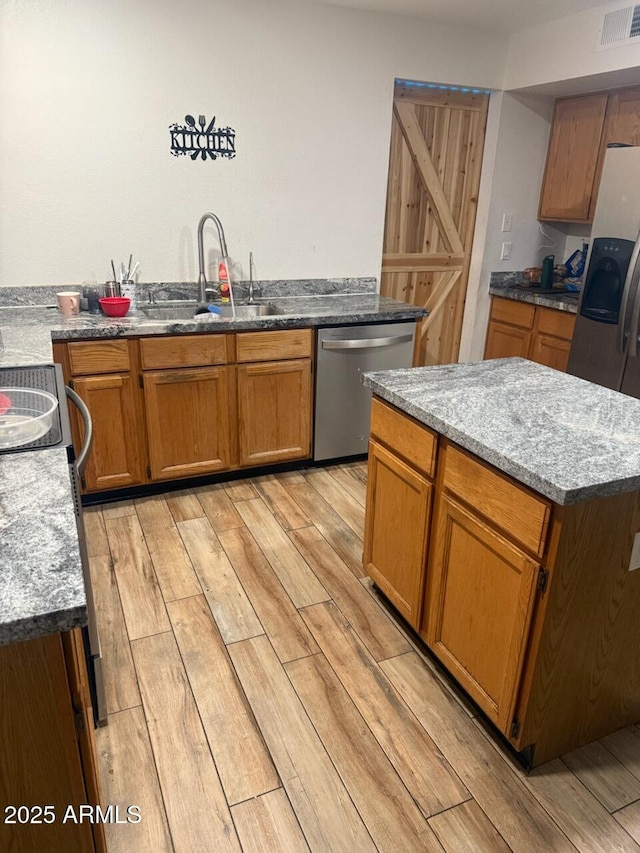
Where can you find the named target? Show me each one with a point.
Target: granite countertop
(27, 331)
(565, 437)
(42, 590)
(509, 285)
(41, 587)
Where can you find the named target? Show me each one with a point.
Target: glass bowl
(26, 414)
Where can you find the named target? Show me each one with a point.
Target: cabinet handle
(634, 327)
(628, 297)
(367, 343)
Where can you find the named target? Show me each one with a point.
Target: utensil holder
(111, 288)
(129, 288)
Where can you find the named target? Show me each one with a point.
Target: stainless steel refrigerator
(606, 340)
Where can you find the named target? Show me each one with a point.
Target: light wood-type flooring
(262, 699)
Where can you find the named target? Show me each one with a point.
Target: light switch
(506, 251)
(506, 221)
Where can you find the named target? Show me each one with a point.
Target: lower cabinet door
(396, 530)
(274, 411)
(481, 591)
(117, 456)
(188, 424)
(505, 341)
(554, 352)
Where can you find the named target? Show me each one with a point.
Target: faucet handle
(212, 292)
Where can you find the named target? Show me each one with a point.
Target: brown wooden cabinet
(574, 146)
(482, 589)
(48, 751)
(274, 411)
(167, 407)
(116, 459)
(507, 341)
(189, 421)
(530, 606)
(581, 129)
(402, 458)
(396, 532)
(535, 332)
(104, 374)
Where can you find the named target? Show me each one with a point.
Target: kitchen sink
(244, 312)
(173, 312)
(187, 311)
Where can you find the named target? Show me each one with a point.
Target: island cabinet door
(274, 411)
(480, 595)
(396, 530)
(188, 421)
(117, 455)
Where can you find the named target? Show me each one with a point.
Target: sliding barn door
(437, 140)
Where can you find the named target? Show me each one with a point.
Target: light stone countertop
(41, 582)
(27, 331)
(566, 438)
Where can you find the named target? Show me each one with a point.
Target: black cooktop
(43, 377)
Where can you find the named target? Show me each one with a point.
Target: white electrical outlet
(506, 221)
(505, 254)
(634, 562)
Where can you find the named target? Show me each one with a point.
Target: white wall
(515, 159)
(566, 50)
(88, 90)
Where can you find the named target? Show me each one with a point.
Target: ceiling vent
(620, 27)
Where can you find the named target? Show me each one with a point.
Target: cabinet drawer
(87, 357)
(515, 313)
(271, 346)
(557, 323)
(514, 508)
(406, 437)
(183, 351)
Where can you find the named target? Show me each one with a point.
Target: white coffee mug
(69, 302)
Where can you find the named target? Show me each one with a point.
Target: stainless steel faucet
(202, 279)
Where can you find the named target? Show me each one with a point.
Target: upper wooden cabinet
(581, 129)
(572, 158)
(529, 331)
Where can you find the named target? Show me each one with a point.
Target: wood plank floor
(263, 699)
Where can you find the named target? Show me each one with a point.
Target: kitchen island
(517, 554)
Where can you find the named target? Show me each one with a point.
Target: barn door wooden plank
(438, 298)
(421, 261)
(406, 115)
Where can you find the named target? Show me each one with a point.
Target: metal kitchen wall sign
(196, 140)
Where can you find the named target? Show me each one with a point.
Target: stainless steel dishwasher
(343, 404)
